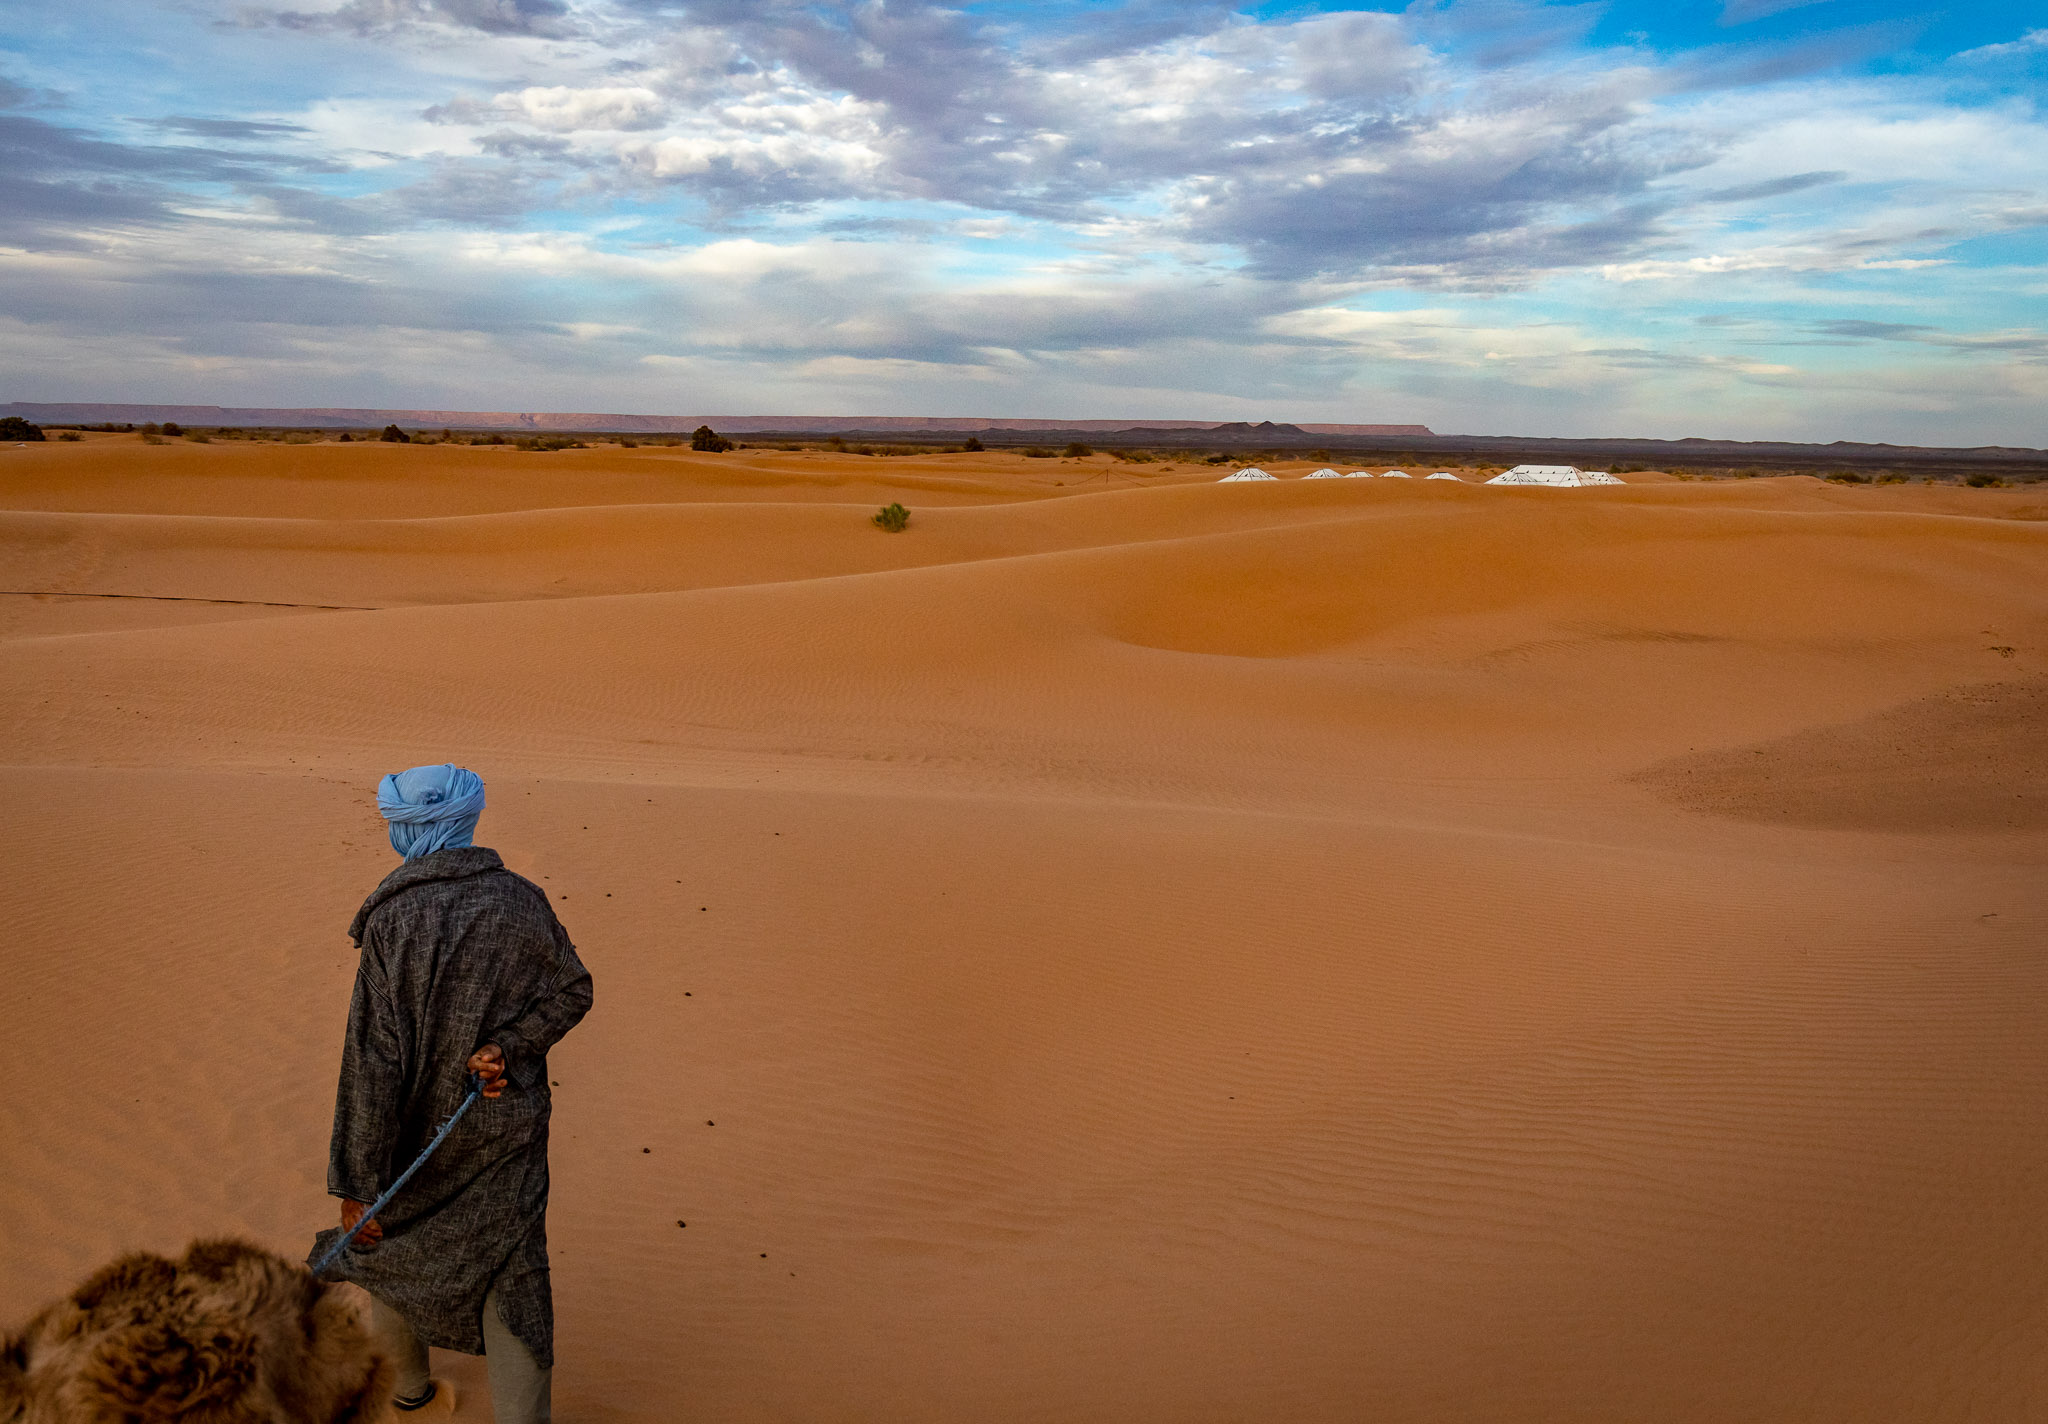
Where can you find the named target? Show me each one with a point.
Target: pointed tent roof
(1249, 472)
(1323, 474)
(1395, 475)
(1560, 476)
(1444, 475)
(1358, 475)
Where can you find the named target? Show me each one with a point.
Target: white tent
(1249, 472)
(1445, 475)
(1558, 475)
(1395, 475)
(1358, 475)
(1323, 475)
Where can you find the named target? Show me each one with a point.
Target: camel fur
(231, 1334)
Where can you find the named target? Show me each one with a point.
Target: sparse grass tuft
(891, 518)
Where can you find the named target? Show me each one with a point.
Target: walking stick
(476, 1087)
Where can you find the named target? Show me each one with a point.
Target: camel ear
(13, 1378)
(155, 1373)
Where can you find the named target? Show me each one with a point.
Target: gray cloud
(230, 129)
(1774, 187)
(366, 17)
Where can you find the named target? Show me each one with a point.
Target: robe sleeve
(527, 1039)
(367, 1100)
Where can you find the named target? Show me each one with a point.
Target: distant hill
(359, 418)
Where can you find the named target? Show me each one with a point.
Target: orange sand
(1152, 950)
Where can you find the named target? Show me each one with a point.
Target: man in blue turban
(464, 969)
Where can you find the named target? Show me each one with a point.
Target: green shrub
(13, 427)
(70, 435)
(1849, 477)
(891, 518)
(395, 436)
(1984, 480)
(705, 438)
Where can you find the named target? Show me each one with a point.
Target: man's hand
(488, 1063)
(351, 1213)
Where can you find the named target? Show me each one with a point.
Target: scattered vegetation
(1848, 477)
(973, 446)
(69, 435)
(173, 429)
(395, 436)
(1984, 480)
(13, 427)
(150, 437)
(1037, 452)
(892, 518)
(627, 442)
(1133, 457)
(548, 442)
(347, 438)
(1077, 451)
(705, 438)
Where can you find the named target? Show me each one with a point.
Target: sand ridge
(1147, 952)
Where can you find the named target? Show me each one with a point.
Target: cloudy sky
(1809, 219)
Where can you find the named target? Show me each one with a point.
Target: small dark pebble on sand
(709, 1123)
(682, 1223)
(647, 1149)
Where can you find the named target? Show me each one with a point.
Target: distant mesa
(364, 418)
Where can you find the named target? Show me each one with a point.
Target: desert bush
(891, 518)
(200, 438)
(1037, 452)
(150, 427)
(395, 436)
(1849, 477)
(13, 427)
(1984, 480)
(628, 443)
(973, 445)
(70, 435)
(1891, 477)
(1077, 451)
(705, 438)
(494, 438)
(1132, 457)
(173, 429)
(1216, 459)
(346, 438)
(150, 437)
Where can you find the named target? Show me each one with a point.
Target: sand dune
(1149, 950)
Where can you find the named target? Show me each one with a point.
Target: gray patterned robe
(457, 952)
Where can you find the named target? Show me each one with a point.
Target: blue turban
(431, 808)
